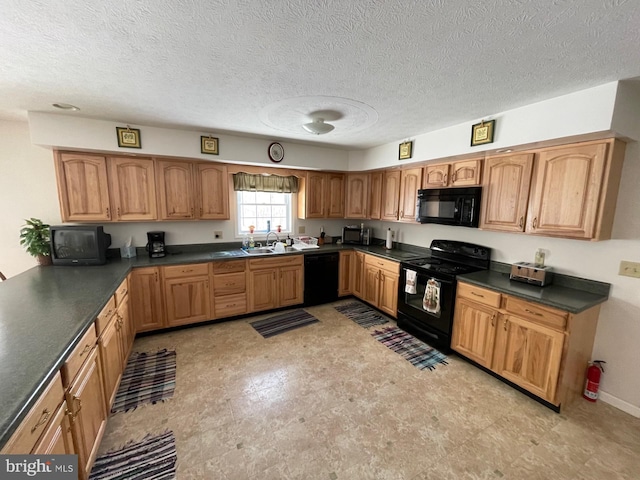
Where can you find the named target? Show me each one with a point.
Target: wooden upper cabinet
(133, 191)
(83, 188)
(334, 195)
(410, 183)
(506, 192)
(453, 174)
(357, 186)
(390, 195)
(321, 195)
(375, 195)
(175, 190)
(213, 192)
(566, 191)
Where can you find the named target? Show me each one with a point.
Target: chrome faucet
(267, 238)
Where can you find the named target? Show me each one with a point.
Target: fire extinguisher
(591, 386)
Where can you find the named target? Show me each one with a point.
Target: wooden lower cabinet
(380, 281)
(187, 300)
(275, 282)
(86, 402)
(127, 329)
(145, 289)
(229, 288)
(541, 349)
(357, 287)
(346, 271)
(57, 439)
(111, 354)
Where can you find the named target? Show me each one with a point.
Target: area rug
(284, 322)
(152, 458)
(361, 314)
(147, 378)
(410, 348)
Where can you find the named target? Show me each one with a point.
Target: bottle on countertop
(252, 244)
(245, 243)
(289, 241)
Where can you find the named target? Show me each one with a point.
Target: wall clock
(276, 152)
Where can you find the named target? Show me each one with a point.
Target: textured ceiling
(399, 68)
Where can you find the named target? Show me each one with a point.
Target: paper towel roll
(389, 243)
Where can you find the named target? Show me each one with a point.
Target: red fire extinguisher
(592, 384)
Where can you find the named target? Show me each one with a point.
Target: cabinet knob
(535, 222)
(521, 222)
(493, 320)
(505, 324)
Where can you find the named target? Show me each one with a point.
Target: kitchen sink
(228, 253)
(259, 251)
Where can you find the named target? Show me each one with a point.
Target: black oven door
(431, 306)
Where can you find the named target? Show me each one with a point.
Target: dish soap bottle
(252, 244)
(245, 243)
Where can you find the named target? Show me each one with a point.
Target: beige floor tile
(329, 402)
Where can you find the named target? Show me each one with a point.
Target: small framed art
(482, 133)
(405, 151)
(128, 137)
(209, 145)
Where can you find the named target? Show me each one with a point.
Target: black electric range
(427, 289)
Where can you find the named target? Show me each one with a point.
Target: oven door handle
(425, 275)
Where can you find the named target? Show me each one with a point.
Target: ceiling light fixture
(66, 106)
(318, 127)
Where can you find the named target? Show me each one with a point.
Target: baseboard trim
(620, 404)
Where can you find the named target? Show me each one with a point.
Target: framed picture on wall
(405, 150)
(209, 145)
(128, 137)
(482, 133)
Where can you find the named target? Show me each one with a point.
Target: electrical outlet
(301, 229)
(217, 234)
(393, 234)
(629, 269)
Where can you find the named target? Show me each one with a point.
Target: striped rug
(154, 458)
(410, 348)
(284, 322)
(361, 314)
(147, 378)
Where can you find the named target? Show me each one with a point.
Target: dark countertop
(45, 311)
(559, 296)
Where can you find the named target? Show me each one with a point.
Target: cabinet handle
(77, 402)
(505, 324)
(535, 222)
(87, 348)
(401, 213)
(200, 211)
(521, 222)
(493, 320)
(118, 212)
(43, 419)
(453, 177)
(108, 212)
(231, 304)
(396, 213)
(477, 294)
(444, 180)
(156, 276)
(533, 313)
(187, 271)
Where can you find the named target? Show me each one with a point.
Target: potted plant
(34, 236)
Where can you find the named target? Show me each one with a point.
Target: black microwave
(449, 206)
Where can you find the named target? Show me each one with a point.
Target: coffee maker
(155, 244)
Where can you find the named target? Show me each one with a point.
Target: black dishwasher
(320, 278)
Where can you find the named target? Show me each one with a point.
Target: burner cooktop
(438, 266)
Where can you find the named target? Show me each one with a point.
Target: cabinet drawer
(78, 356)
(122, 291)
(230, 305)
(537, 313)
(382, 263)
(479, 294)
(275, 261)
(35, 423)
(230, 266)
(191, 270)
(228, 283)
(105, 315)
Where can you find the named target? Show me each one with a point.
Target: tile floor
(327, 401)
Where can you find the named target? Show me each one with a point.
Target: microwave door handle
(473, 204)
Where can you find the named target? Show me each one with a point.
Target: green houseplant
(34, 236)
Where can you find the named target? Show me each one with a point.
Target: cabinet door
(334, 196)
(83, 189)
(357, 195)
(315, 195)
(358, 275)
(175, 190)
(371, 284)
(474, 331)
(133, 190)
(86, 401)
(506, 192)
(529, 355)
(111, 359)
(410, 183)
(213, 192)
(465, 173)
(127, 329)
(374, 207)
(566, 191)
(56, 440)
(291, 286)
(436, 176)
(388, 301)
(187, 300)
(345, 274)
(145, 293)
(390, 195)
(263, 291)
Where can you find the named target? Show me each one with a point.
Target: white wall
(27, 189)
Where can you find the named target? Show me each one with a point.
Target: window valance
(264, 183)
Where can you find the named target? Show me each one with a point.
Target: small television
(79, 245)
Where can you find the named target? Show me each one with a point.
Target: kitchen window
(258, 208)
